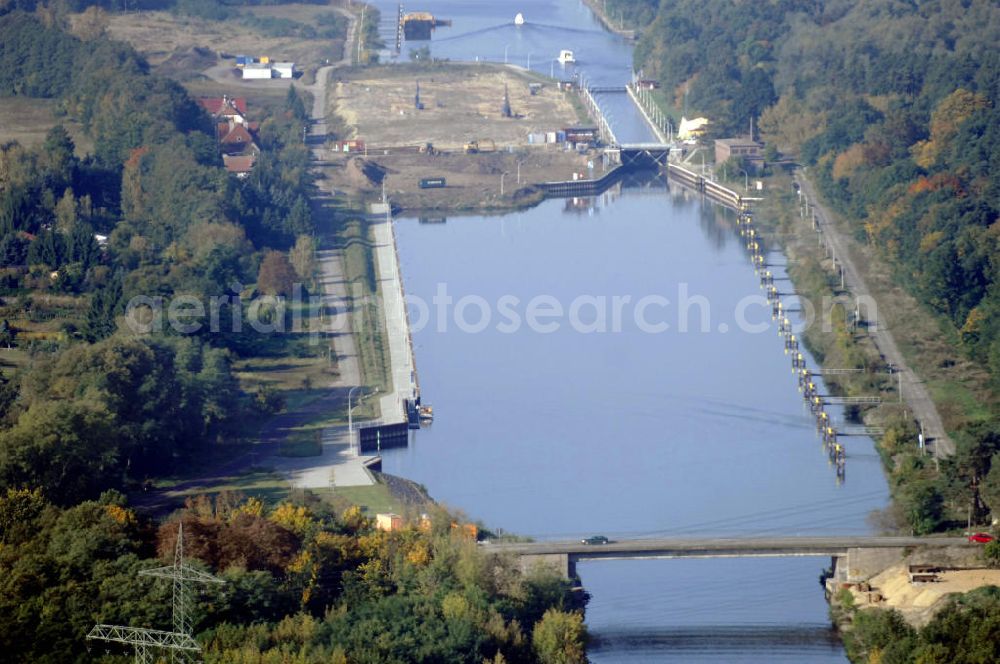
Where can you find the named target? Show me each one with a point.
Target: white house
(283, 69)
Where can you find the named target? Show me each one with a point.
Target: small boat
(519, 19)
(566, 57)
(426, 413)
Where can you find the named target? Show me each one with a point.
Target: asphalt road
(708, 547)
(915, 393)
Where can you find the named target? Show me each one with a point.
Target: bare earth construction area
(486, 159)
(460, 103)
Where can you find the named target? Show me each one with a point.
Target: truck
(480, 145)
(433, 183)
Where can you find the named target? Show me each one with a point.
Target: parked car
(596, 539)
(982, 538)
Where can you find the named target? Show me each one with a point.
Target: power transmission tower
(179, 642)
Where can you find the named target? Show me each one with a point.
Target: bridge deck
(720, 548)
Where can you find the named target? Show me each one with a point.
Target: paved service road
(914, 391)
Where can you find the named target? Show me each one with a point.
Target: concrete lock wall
(862, 564)
(560, 563)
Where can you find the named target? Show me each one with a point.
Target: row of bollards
(824, 426)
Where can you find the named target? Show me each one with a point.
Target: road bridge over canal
(858, 556)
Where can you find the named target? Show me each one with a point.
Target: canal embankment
(402, 366)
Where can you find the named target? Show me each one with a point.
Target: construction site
(483, 133)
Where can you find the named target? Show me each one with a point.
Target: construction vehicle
(480, 145)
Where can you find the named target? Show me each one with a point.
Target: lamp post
(518, 174)
(502, 175)
(746, 180)
(350, 415)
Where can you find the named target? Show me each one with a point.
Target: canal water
(606, 366)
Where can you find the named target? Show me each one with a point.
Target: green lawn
(270, 487)
(372, 499)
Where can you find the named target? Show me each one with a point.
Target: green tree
(303, 257)
(924, 507)
(874, 632)
(60, 159)
(991, 553)
(68, 449)
(990, 489)
(105, 305)
(560, 638)
(295, 106)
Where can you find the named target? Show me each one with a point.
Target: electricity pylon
(179, 642)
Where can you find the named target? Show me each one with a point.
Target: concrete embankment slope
(402, 370)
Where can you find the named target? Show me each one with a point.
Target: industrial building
(256, 71)
(747, 149)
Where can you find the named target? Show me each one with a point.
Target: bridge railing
(607, 135)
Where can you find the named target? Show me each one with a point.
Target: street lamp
(502, 175)
(746, 180)
(518, 174)
(350, 413)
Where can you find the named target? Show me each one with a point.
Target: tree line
(302, 583)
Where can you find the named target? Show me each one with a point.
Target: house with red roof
(239, 165)
(238, 141)
(236, 135)
(225, 107)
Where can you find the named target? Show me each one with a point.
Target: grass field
(307, 443)
(372, 499)
(265, 484)
(165, 38)
(27, 120)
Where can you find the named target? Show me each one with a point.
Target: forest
(96, 409)
(301, 584)
(176, 224)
